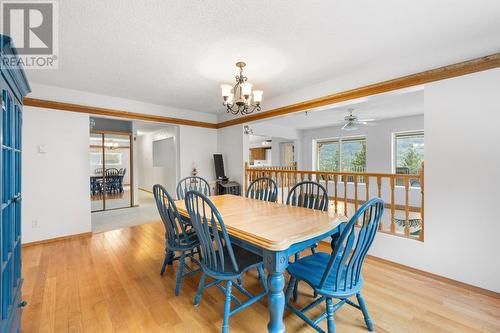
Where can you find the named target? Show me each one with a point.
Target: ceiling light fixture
(238, 98)
(247, 130)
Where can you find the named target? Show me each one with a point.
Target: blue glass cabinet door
(13, 88)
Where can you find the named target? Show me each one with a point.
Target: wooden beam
(437, 74)
(113, 113)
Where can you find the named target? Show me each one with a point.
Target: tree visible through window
(409, 152)
(342, 155)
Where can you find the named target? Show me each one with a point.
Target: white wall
(149, 174)
(233, 145)
(197, 146)
(55, 184)
(264, 128)
(461, 181)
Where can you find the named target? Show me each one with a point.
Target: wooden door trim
(62, 106)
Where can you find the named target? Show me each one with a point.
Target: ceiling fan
(352, 121)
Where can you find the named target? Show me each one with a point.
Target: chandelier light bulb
(257, 96)
(226, 89)
(230, 98)
(246, 89)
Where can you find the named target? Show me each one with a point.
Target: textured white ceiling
(396, 104)
(178, 52)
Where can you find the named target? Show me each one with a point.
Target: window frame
(338, 140)
(395, 136)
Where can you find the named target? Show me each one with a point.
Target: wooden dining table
(275, 232)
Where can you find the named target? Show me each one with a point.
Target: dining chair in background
(220, 260)
(121, 175)
(307, 194)
(177, 238)
(337, 276)
(264, 189)
(192, 183)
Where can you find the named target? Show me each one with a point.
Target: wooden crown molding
(437, 74)
(113, 113)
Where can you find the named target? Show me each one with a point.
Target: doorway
(111, 170)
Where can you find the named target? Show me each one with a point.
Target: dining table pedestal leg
(276, 263)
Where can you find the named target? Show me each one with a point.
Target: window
(111, 158)
(345, 154)
(408, 152)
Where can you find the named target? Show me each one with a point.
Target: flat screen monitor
(219, 166)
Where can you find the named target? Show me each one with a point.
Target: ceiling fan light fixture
(350, 126)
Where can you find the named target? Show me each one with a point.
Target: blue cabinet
(13, 87)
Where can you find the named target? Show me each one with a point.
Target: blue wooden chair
(338, 275)
(308, 194)
(192, 183)
(264, 189)
(311, 195)
(219, 259)
(177, 237)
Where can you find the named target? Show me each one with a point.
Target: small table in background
(228, 187)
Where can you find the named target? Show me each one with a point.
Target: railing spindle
(355, 179)
(393, 207)
(407, 208)
(283, 175)
(422, 203)
(345, 197)
(335, 200)
(379, 186)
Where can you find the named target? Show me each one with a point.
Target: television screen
(219, 166)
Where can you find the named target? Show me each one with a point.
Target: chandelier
(238, 98)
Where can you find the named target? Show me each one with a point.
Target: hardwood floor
(110, 282)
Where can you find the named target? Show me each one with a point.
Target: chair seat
(245, 259)
(310, 269)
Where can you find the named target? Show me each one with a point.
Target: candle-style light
(238, 98)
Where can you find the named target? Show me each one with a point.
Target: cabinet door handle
(22, 304)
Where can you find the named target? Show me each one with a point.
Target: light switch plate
(42, 149)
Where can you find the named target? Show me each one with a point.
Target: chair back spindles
(264, 189)
(351, 247)
(111, 172)
(192, 183)
(308, 194)
(214, 240)
(174, 229)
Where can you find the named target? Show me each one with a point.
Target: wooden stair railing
(403, 194)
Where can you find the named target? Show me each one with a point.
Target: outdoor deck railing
(403, 194)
